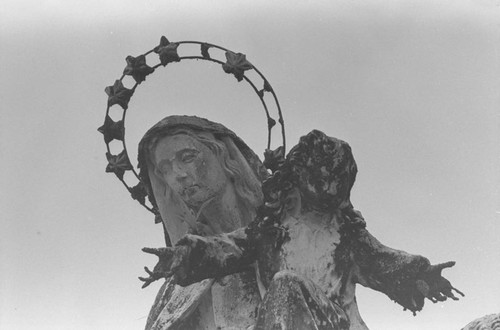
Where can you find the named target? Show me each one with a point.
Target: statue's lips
(191, 190)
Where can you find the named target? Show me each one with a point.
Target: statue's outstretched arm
(195, 258)
(405, 278)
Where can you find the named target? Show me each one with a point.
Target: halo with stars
(119, 95)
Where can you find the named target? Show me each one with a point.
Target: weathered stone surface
(204, 180)
(311, 248)
(294, 302)
(488, 322)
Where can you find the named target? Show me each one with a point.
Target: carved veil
(176, 216)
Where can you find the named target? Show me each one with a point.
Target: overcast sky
(413, 86)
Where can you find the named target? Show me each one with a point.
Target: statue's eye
(188, 156)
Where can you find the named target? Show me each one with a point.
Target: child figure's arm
(195, 258)
(405, 278)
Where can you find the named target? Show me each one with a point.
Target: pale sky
(413, 86)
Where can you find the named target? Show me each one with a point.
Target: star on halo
(118, 94)
(236, 64)
(137, 68)
(112, 130)
(167, 51)
(118, 164)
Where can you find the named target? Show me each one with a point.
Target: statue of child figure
(308, 245)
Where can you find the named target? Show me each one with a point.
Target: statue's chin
(195, 197)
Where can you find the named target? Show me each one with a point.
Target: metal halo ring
(236, 64)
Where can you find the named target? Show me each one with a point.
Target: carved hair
(322, 167)
(323, 170)
(326, 170)
(247, 185)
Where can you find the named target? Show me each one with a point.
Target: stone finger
(458, 291)
(154, 251)
(444, 265)
(150, 273)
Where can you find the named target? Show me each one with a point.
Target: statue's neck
(222, 214)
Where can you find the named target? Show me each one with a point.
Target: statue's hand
(170, 263)
(435, 287)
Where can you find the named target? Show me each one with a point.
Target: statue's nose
(180, 173)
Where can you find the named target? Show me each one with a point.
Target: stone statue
(205, 181)
(247, 249)
(309, 245)
(488, 322)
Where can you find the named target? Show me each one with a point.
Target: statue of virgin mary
(204, 180)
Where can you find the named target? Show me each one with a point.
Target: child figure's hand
(434, 286)
(171, 263)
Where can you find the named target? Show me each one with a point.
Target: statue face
(190, 168)
(327, 170)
